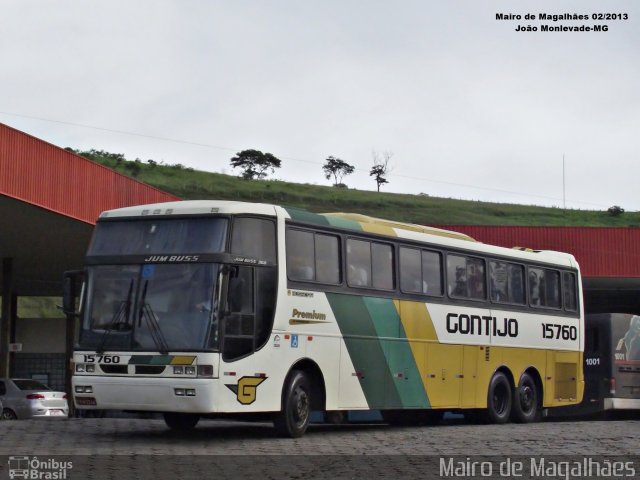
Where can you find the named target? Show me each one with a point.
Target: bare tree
(381, 167)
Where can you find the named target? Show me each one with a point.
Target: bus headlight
(190, 370)
(178, 370)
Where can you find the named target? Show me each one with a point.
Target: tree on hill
(380, 168)
(336, 168)
(255, 164)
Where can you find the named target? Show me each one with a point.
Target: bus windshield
(142, 237)
(152, 307)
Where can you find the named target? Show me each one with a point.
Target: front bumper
(146, 394)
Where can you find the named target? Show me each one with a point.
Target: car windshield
(152, 307)
(30, 385)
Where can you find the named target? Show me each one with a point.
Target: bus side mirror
(71, 287)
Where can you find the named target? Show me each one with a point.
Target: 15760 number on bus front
(101, 359)
(556, 332)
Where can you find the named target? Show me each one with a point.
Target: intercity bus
(227, 309)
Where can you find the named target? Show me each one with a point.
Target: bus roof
(400, 225)
(349, 221)
(191, 207)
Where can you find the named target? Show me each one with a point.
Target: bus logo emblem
(246, 389)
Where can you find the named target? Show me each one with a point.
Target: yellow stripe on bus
(182, 360)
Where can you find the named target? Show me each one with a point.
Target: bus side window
(457, 276)
(465, 277)
(254, 237)
(358, 263)
(327, 258)
(544, 287)
(410, 270)
(534, 286)
(506, 282)
(552, 284)
(516, 283)
(300, 255)
(475, 274)
(569, 291)
(382, 266)
(498, 281)
(431, 273)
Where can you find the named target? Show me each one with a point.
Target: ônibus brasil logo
(36, 469)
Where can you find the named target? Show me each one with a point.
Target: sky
(466, 106)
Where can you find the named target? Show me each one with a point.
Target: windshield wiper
(119, 322)
(152, 322)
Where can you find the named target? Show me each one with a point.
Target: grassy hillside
(191, 184)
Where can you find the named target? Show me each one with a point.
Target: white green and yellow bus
(211, 308)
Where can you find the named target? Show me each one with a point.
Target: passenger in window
(498, 278)
(516, 289)
(552, 290)
(542, 291)
(357, 276)
(534, 288)
(476, 286)
(460, 289)
(300, 269)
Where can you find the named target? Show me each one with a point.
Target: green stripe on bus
(365, 350)
(344, 223)
(402, 364)
(301, 215)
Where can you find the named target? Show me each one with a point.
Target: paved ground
(132, 448)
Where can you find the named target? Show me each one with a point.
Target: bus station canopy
(49, 201)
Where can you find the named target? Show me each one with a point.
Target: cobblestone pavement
(134, 448)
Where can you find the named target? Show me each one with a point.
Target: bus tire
(499, 399)
(181, 422)
(293, 420)
(526, 400)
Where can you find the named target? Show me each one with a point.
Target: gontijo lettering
(481, 325)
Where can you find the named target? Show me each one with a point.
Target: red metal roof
(600, 251)
(50, 177)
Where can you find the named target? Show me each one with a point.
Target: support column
(6, 315)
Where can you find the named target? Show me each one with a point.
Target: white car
(23, 398)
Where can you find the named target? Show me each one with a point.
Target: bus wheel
(499, 399)
(293, 420)
(181, 422)
(526, 400)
